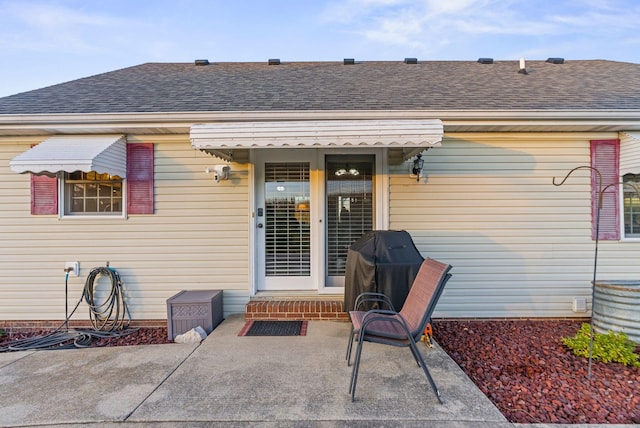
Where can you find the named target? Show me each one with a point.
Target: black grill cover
(381, 261)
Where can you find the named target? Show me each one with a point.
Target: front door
(310, 207)
(285, 220)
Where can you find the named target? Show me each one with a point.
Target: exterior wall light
(418, 163)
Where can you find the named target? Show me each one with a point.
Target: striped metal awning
(99, 153)
(221, 139)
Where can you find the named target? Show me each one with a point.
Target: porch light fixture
(418, 163)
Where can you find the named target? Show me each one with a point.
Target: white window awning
(99, 153)
(220, 139)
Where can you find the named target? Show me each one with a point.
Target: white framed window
(92, 194)
(631, 205)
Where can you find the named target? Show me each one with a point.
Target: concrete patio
(235, 381)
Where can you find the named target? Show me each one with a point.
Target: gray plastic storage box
(191, 308)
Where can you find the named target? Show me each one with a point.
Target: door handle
(260, 226)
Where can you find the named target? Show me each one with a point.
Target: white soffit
(99, 153)
(225, 136)
(629, 153)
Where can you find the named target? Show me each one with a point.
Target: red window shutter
(44, 195)
(605, 157)
(140, 178)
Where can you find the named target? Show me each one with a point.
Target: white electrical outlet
(74, 268)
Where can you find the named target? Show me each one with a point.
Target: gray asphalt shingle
(376, 85)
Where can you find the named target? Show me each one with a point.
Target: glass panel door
(287, 232)
(310, 206)
(349, 208)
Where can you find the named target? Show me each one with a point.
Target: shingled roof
(427, 85)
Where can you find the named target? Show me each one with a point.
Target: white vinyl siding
(197, 239)
(519, 246)
(629, 153)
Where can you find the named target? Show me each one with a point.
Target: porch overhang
(222, 139)
(99, 153)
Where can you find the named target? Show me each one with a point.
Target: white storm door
(284, 218)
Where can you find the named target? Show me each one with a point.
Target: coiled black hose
(109, 319)
(113, 313)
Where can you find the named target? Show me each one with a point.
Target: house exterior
(254, 178)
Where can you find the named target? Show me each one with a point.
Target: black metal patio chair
(404, 328)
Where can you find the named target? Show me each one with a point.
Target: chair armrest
(372, 297)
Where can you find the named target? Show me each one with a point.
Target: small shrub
(609, 347)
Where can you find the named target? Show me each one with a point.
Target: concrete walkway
(229, 380)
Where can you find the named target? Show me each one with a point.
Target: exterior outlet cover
(579, 304)
(75, 268)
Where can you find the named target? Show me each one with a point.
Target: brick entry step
(332, 310)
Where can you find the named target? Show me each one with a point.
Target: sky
(44, 42)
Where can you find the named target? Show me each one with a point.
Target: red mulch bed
(524, 369)
(143, 336)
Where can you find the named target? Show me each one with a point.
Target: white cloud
(44, 27)
(473, 26)
(440, 7)
(442, 24)
(402, 27)
(52, 17)
(405, 22)
(345, 12)
(596, 21)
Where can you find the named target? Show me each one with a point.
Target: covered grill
(381, 261)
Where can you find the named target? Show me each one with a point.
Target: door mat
(274, 328)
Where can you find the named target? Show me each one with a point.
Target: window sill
(68, 217)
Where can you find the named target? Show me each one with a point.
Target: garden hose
(113, 313)
(109, 319)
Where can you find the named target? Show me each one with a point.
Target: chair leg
(356, 368)
(415, 357)
(421, 363)
(350, 346)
